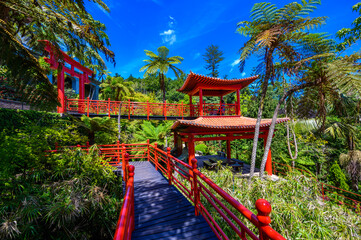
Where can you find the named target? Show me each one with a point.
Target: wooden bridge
(146, 110)
(166, 198)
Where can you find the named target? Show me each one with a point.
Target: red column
(61, 95)
(238, 106)
(200, 103)
(191, 151)
(81, 101)
(268, 167)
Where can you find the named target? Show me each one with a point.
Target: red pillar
(268, 167)
(238, 106)
(81, 102)
(191, 151)
(61, 95)
(228, 149)
(200, 102)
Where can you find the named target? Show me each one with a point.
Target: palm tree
(117, 89)
(275, 33)
(66, 24)
(160, 64)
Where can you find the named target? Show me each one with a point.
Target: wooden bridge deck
(161, 211)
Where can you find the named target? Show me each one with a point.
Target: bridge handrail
(108, 107)
(198, 189)
(125, 225)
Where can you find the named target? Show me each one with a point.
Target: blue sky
(187, 28)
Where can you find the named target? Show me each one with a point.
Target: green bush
(337, 177)
(203, 148)
(75, 197)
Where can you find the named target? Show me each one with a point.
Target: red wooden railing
(329, 192)
(148, 109)
(125, 224)
(222, 212)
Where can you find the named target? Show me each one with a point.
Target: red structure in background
(198, 85)
(227, 128)
(58, 62)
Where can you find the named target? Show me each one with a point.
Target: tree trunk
(269, 72)
(162, 84)
(91, 137)
(274, 118)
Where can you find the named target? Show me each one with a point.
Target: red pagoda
(217, 125)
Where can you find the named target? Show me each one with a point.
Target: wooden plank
(161, 211)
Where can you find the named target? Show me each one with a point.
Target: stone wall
(13, 104)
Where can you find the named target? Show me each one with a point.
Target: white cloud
(235, 62)
(168, 36)
(243, 74)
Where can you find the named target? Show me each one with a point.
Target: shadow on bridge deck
(132, 117)
(161, 211)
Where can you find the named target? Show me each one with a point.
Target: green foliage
(351, 35)
(156, 134)
(337, 177)
(203, 148)
(75, 196)
(297, 209)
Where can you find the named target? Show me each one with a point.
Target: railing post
(88, 103)
(131, 169)
(126, 159)
(148, 150)
(148, 110)
(109, 107)
(182, 110)
(65, 104)
(128, 109)
(195, 187)
(165, 109)
(169, 170)
(156, 155)
(123, 160)
(263, 211)
(118, 152)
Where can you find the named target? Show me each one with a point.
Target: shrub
(203, 148)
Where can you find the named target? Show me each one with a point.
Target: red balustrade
(221, 211)
(128, 108)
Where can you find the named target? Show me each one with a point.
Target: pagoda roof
(213, 86)
(224, 123)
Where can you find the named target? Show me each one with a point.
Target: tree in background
(160, 64)
(155, 134)
(274, 33)
(117, 89)
(213, 57)
(65, 24)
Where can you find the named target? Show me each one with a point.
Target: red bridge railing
(222, 212)
(125, 225)
(148, 109)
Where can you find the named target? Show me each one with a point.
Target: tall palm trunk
(162, 84)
